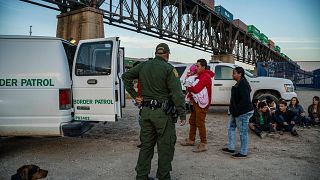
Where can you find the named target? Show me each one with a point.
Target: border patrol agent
(162, 103)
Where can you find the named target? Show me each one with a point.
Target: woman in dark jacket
(241, 110)
(295, 107)
(314, 111)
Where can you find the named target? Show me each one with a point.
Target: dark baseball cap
(162, 48)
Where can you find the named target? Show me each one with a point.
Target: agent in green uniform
(160, 88)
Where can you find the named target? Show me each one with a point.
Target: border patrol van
(49, 87)
(222, 83)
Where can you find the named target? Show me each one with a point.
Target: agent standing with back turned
(160, 92)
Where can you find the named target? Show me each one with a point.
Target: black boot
(294, 132)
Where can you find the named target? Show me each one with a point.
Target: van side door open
(96, 82)
(120, 72)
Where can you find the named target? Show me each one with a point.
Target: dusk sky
(292, 24)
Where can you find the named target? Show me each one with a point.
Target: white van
(261, 87)
(45, 91)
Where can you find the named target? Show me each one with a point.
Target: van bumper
(75, 128)
(288, 95)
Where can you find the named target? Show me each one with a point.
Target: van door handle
(217, 84)
(92, 81)
(83, 107)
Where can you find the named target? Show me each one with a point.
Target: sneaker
(262, 135)
(200, 148)
(227, 150)
(294, 133)
(187, 142)
(308, 126)
(272, 135)
(239, 156)
(281, 132)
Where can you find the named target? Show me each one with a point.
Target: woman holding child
(198, 83)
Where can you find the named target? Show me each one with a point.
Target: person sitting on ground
(285, 119)
(262, 120)
(314, 111)
(271, 104)
(295, 107)
(255, 103)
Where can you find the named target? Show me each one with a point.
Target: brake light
(64, 99)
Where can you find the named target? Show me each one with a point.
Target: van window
(94, 59)
(223, 73)
(181, 70)
(70, 50)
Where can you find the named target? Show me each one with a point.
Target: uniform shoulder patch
(175, 72)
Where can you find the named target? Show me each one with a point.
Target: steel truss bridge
(186, 22)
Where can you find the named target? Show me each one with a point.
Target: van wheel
(262, 96)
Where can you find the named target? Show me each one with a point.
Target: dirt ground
(109, 152)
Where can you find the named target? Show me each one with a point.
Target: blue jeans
(241, 122)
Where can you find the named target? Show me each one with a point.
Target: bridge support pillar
(85, 23)
(227, 58)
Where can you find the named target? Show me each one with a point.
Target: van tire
(262, 96)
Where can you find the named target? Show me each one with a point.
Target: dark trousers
(302, 120)
(313, 122)
(156, 128)
(280, 124)
(287, 128)
(259, 128)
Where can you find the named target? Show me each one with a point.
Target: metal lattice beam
(186, 22)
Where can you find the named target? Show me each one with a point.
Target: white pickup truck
(261, 86)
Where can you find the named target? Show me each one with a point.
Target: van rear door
(96, 83)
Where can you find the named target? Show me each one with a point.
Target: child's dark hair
(269, 99)
(316, 98)
(283, 102)
(261, 105)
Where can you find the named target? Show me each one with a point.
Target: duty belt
(153, 104)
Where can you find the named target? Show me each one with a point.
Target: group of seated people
(271, 117)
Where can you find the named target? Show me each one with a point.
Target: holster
(171, 111)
